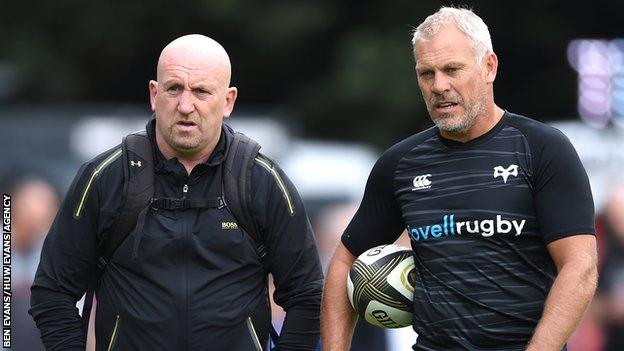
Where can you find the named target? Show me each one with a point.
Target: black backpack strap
(236, 180)
(138, 189)
(237, 185)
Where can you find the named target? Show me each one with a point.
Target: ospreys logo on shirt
(500, 171)
(449, 228)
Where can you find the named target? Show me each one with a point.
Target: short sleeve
(378, 220)
(563, 199)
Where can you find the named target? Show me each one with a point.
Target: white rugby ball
(381, 286)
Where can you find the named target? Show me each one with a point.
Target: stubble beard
(465, 122)
(182, 141)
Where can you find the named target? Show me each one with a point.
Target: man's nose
(440, 84)
(185, 103)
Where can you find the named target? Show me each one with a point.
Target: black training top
(479, 215)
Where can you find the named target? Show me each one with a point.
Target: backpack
(138, 190)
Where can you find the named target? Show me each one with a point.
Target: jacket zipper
(254, 336)
(114, 335)
(280, 184)
(186, 231)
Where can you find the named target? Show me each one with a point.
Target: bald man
(184, 278)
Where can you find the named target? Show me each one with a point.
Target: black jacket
(190, 280)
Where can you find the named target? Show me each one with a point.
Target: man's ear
(490, 63)
(230, 99)
(153, 91)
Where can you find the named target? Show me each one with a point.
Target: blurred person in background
(498, 208)
(331, 221)
(608, 306)
(186, 277)
(34, 203)
(329, 225)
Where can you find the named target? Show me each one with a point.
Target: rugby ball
(381, 286)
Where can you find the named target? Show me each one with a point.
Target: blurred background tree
(337, 69)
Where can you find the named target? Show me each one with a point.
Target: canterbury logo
(229, 225)
(422, 182)
(499, 171)
(135, 164)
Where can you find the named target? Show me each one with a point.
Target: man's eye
(173, 89)
(201, 92)
(452, 69)
(425, 73)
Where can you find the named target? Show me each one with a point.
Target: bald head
(190, 98)
(194, 52)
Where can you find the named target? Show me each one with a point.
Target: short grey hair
(465, 20)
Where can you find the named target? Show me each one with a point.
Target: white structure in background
(602, 154)
(270, 133)
(93, 135)
(329, 170)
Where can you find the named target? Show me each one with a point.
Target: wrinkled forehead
(185, 76)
